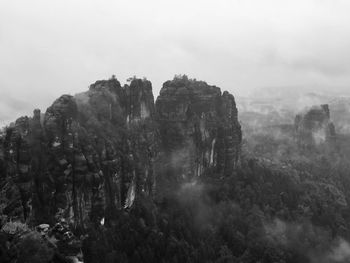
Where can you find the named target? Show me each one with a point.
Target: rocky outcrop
(314, 128)
(96, 152)
(199, 129)
(85, 157)
(16, 173)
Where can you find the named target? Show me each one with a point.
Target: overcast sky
(48, 47)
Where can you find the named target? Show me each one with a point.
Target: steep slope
(93, 153)
(88, 155)
(199, 129)
(314, 127)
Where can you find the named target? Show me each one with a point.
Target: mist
(51, 48)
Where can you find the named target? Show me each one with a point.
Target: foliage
(19, 243)
(32, 248)
(15, 228)
(261, 213)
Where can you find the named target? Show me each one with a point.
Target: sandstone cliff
(314, 127)
(99, 150)
(199, 128)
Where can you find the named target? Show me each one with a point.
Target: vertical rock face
(140, 101)
(100, 150)
(16, 174)
(199, 128)
(143, 137)
(314, 127)
(91, 154)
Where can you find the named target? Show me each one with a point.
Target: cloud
(341, 252)
(12, 107)
(57, 47)
(321, 248)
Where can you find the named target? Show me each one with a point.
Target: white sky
(49, 47)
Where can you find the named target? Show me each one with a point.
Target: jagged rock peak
(99, 150)
(314, 127)
(111, 84)
(93, 153)
(140, 100)
(199, 127)
(182, 84)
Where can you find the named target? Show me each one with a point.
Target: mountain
(315, 127)
(199, 129)
(110, 175)
(97, 151)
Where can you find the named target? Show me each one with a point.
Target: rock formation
(99, 150)
(199, 128)
(314, 127)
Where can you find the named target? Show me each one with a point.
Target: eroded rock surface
(199, 128)
(314, 127)
(96, 152)
(88, 155)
